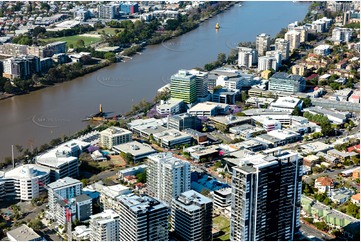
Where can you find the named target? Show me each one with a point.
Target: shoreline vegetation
(139, 33)
(143, 107)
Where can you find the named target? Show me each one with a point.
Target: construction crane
(68, 221)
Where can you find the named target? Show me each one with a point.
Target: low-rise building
(286, 104)
(324, 185)
(259, 101)
(138, 150)
(267, 123)
(200, 152)
(82, 233)
(114, 136)
(342, 156)
(283, 82)
(328, 158)
(208, 109)
(336, 117)
(170, 106)
(311, 160)
(323, 50)
(196, 135)
(132, 171)
(171, 138)
(226, 96)
(230, 120)
(341, 195)
(184, 121)
(285, 136)
(23, 233)
(355, 199)
(246, 131)
(315, 147)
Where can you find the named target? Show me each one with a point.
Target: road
(307, 231)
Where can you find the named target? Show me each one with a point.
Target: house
(324, 185)
(355, 148)
(310, 160)
(341, 195)
(341, 155)
(355, 199)
(356, 174)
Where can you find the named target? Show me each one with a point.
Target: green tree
(80, 43)
(296, 112)
(353, 210)
(221, 58)
(142, 177)
(110, 56)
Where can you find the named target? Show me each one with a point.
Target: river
(36, 118)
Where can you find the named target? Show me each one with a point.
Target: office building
(22, 182)
(341, 34)
(107, 11)
(184, 86)
(184, 121)
(104, 226)
(129, 7)
(48, 50)
(283, 82)
(10, 49)
(172, 138)
(114, 136)
(67, 188)
(283, 46)
(247, 57)
(167, 176)
(208, 109)
(142, 218)
(170, 106)
(138, 150)
(82, 14)
(286, 104)
(225, 95)
(84, 207)
(192, 216)
(294, 37)
(23, 233)
(201, 82)
(266, 196)
(61, 165)
(263, 42)
(21, 67)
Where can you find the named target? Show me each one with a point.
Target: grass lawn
(221, 223)
(73, 39)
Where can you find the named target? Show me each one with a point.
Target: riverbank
(50, 80)
(59, 109)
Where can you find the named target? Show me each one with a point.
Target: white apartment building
(23, 182)
(192, 216)
(263, 42)
(267, 63)
(222, 198)
(142, 218)
(167, 176)
(247, 57)
(322, 50)
(283, 46)
(104, 226)
(294, 38)
(341, 34)
(66, 188)
(114, 136)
